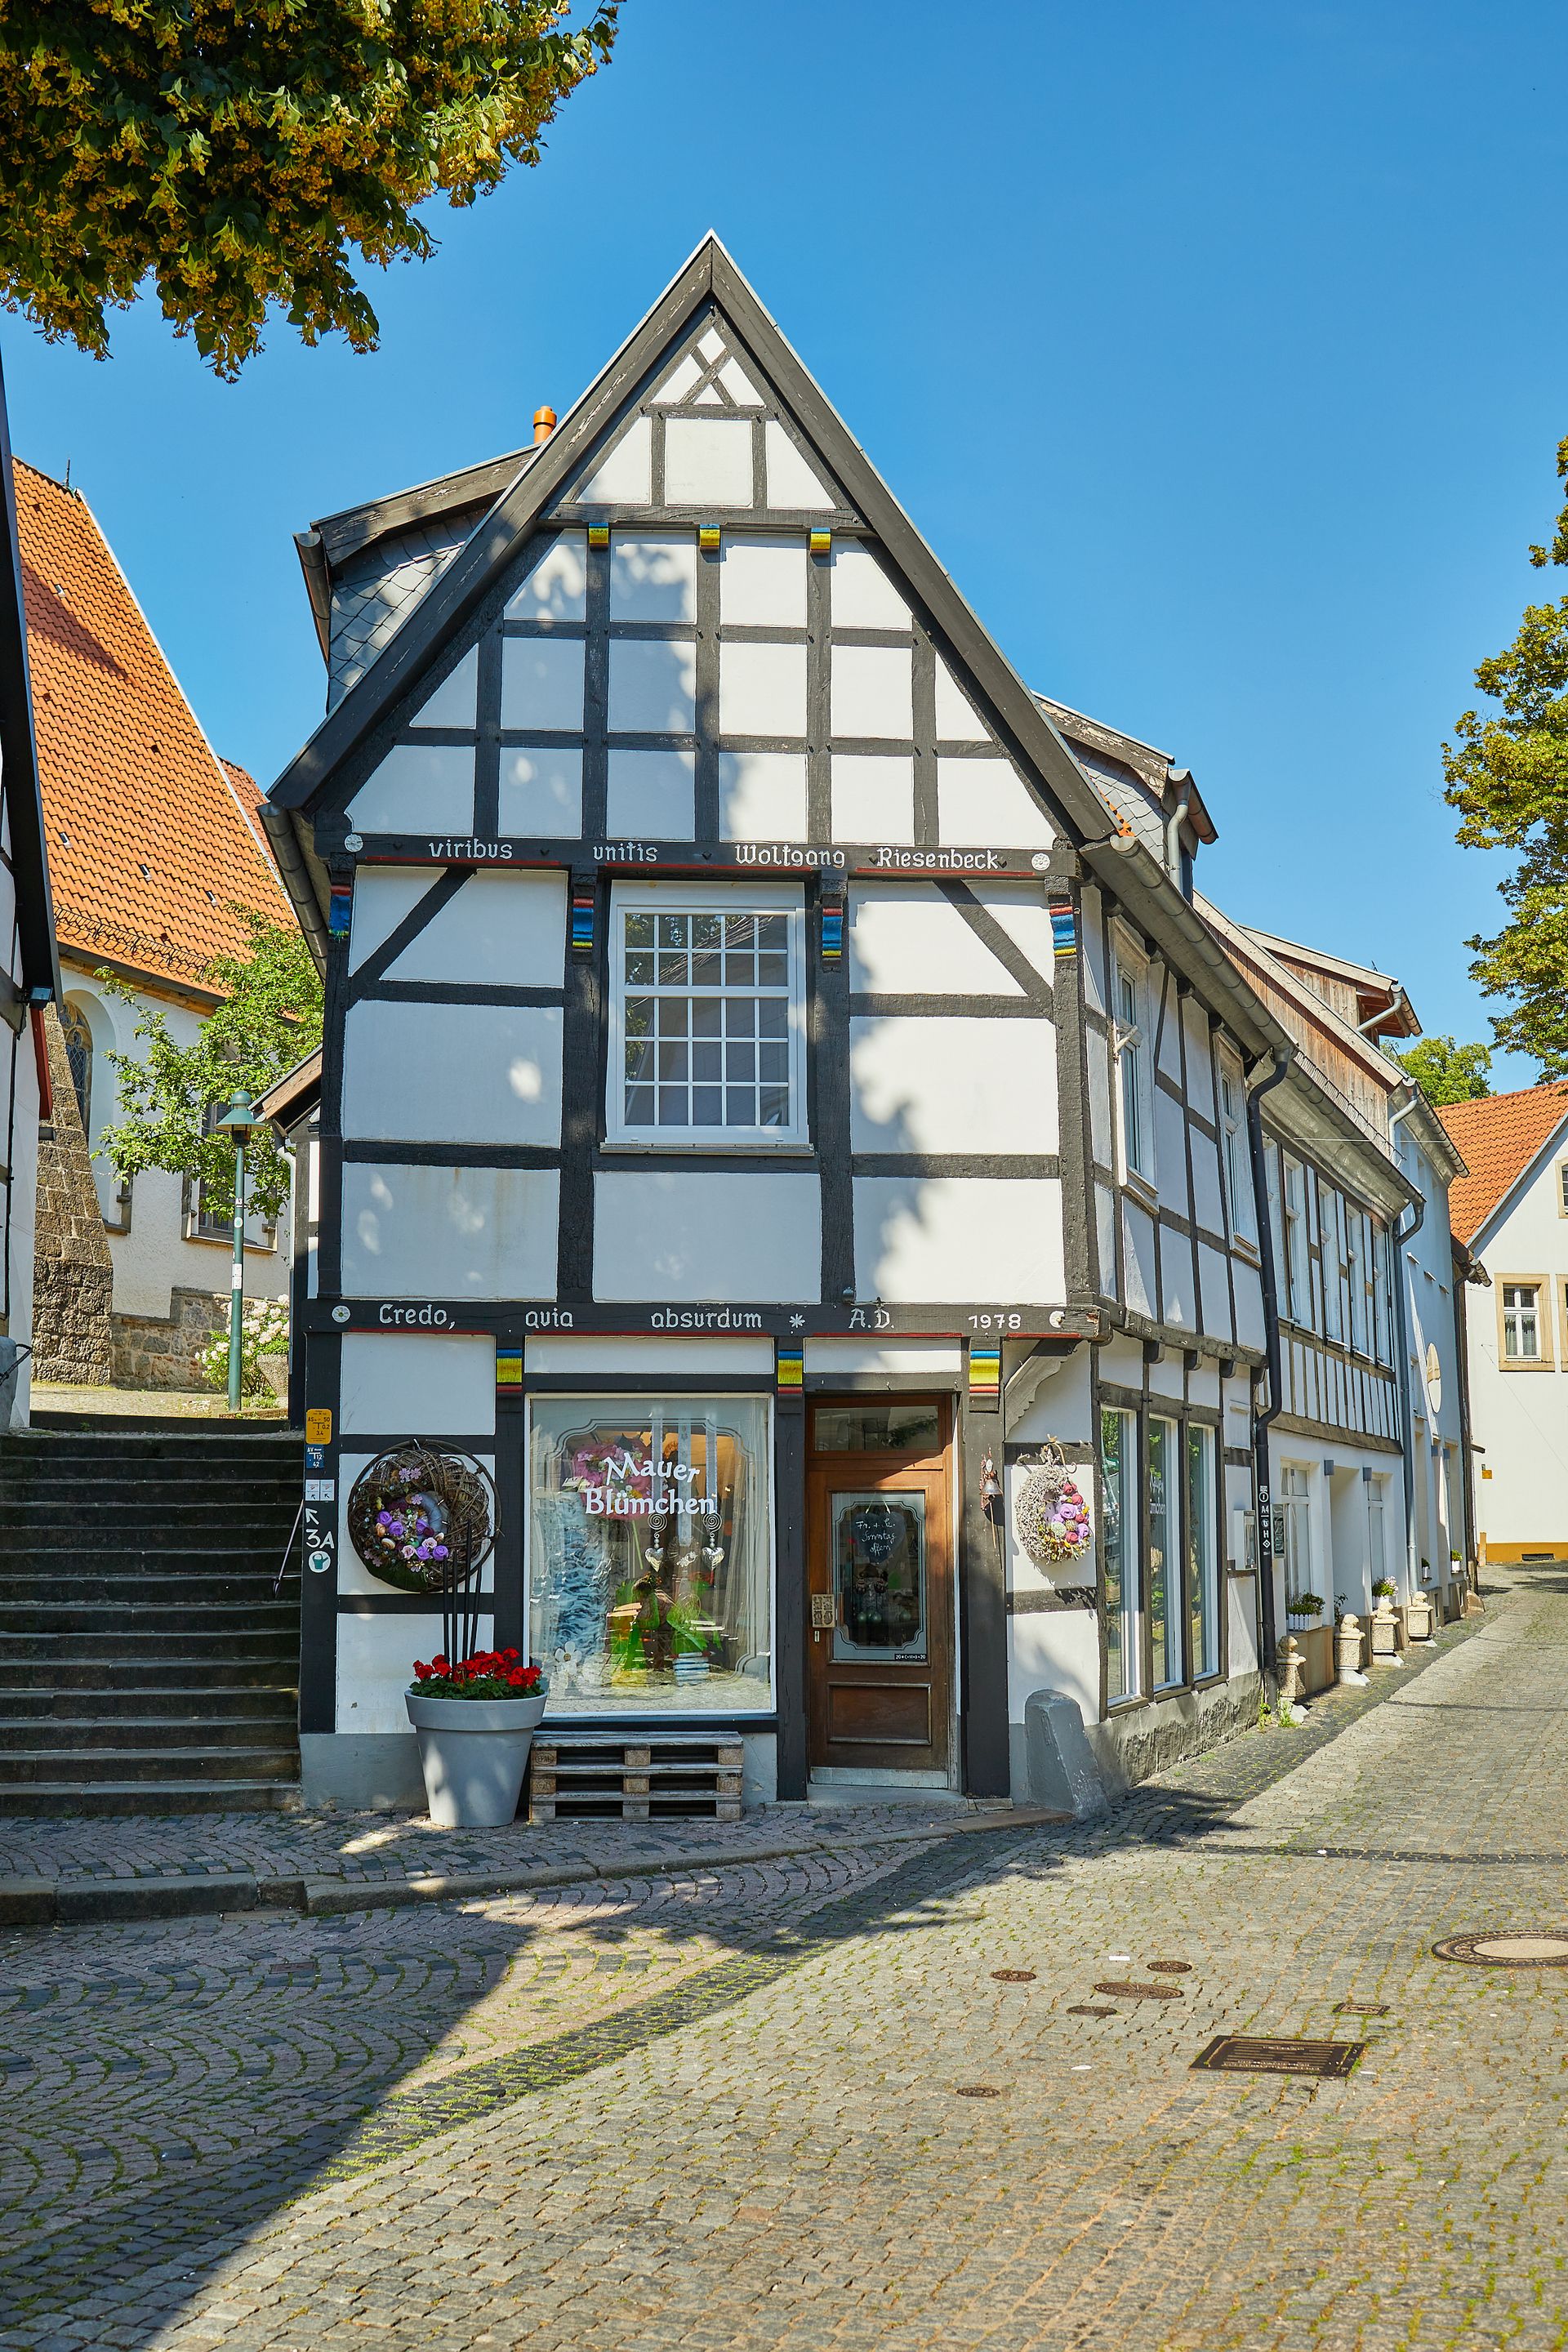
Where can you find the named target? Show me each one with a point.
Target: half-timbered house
(774, 1084)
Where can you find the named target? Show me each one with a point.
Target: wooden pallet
(584, 1776)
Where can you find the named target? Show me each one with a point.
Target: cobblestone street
(792, 2104)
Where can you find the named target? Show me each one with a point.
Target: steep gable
(1498, 1136)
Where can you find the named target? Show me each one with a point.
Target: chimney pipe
(543, 424)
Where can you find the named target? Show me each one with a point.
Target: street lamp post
(237, 1121)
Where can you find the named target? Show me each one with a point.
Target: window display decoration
(423, 1517)
(1050, 1514)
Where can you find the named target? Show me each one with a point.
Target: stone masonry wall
(73, 1283)
(157, 1351)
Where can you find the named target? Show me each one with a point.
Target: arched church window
(78, 1055)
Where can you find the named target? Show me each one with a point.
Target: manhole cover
(1241, 2053)
(1014, 1976)
(1360, 2008)
(1545, 1947)
(1130, 1992)
(1088, 2009)
(977, 2091)
(1170, 1968)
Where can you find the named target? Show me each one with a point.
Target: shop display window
(650, 1563)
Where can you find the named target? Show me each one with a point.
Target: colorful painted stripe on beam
(339, 910)
(508, 1368)
(984, 1375)
(789, 1364)
(1064, 927)
(582, 923)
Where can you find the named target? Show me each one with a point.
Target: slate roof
(1498, 1136)
(150, 835)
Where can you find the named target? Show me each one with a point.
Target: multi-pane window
(1202, 1561)
(1562, 1187)
(1358, 1254)
(1130, 988)
(1164, 1553)
(1119, 1536)
(1296, 1262)
(707, 1026)
(1521, 1321)
(1233, 1147)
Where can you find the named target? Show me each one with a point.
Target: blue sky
(1211, 345)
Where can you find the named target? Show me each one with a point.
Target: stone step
(126, 1575)
(243, 1484)
(26, 1710)
(58, 1665)
(278, 1642)
(52, 1800)
(138, 1511)
(61, 1767)
(165, 1733)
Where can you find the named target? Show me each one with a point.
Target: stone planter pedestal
(1418, 1619)
(474, 1753)
(1347, 1651)
(1385, 1633)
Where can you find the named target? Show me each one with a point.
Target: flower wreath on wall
(1050, 1514)
(423, 1517)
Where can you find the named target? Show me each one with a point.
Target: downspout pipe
(1398, 1237)
(1261, 1079)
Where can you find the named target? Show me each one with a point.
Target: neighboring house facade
(1367, 1448)
(151, 839)
(1511, 1210)
(774, 1084)
(29, 974)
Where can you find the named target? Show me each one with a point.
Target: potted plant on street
(476, 1722)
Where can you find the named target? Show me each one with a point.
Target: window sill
(724, 1144)
(1245, 1249)
(1141, 1189)
(1526, 1364)
(224, 1242)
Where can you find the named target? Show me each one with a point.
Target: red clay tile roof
(150, 835)
(1497, 1139)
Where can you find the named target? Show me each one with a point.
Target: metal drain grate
(1170, 1968)
(1361, 2008)
(1242, 2053)
(976, 2091)
(1014, 1976)
(1128, 1991)
(1088, 2009)
(1534, 1947)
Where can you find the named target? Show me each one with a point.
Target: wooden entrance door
(879, 1584)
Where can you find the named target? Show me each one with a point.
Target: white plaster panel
(653, 688)
(542, 791)
(1200, 1069)
(677, 384)
(1024, 915)
(554, 587)
(762, 689)
(453, 1073)
(652, 794)
(418, 788)
(1121, 1362)
(1169, 1023)
(980, 802)
(1097, 1052)
(873, 692)
(708, 461)
(624, 474)
(352, 1574)
(1248, 1303)
(1062, 1406)
(1208, 1210)
(958, 1238)
(1138, 1245)
(932, 1359)
(1169, 1150)
(791, 484)
(953, 1085)
(651, 1353)
(906, 940)
(1215, 1293)
(455, 702)
(653, 577)
(743, 1234)
(383, 895)
(957, 720)
(1202, 1381)
(861, 595)
(761, 796)
(739, 384)
(500, 930)
(1092, 954)
(873, 796)
(762, 584)
(1058, 1652)
(375, 1666)
(397, 1380)
(449, 1232)
(1180, 1300)
(542, 684)
(1105, 1238)
(1166, 1378)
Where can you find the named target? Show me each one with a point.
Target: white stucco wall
(1521, 1416)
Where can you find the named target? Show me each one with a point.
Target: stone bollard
(1347, 1651)
(1386, 1634)
(1290, 1663)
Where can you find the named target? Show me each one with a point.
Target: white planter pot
(474, 1753)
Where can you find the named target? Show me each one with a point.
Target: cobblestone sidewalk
(794, 2105)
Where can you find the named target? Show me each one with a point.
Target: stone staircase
(146, 1664)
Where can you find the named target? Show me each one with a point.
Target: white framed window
(1297, 1267)
(1332, 1215)
(1119, 1536)
(1562, 1188)
(1134, 1060)
(1239, 1206)
(707, 1048)
(1359, 1252)
(1519, 1309)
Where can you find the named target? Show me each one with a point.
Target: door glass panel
(876, 1428)
(879, 1578)
(1164, 1553)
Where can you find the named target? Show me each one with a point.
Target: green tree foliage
(271, 1017)
(1448, 1072)
(1507, 777)
(235, 150)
